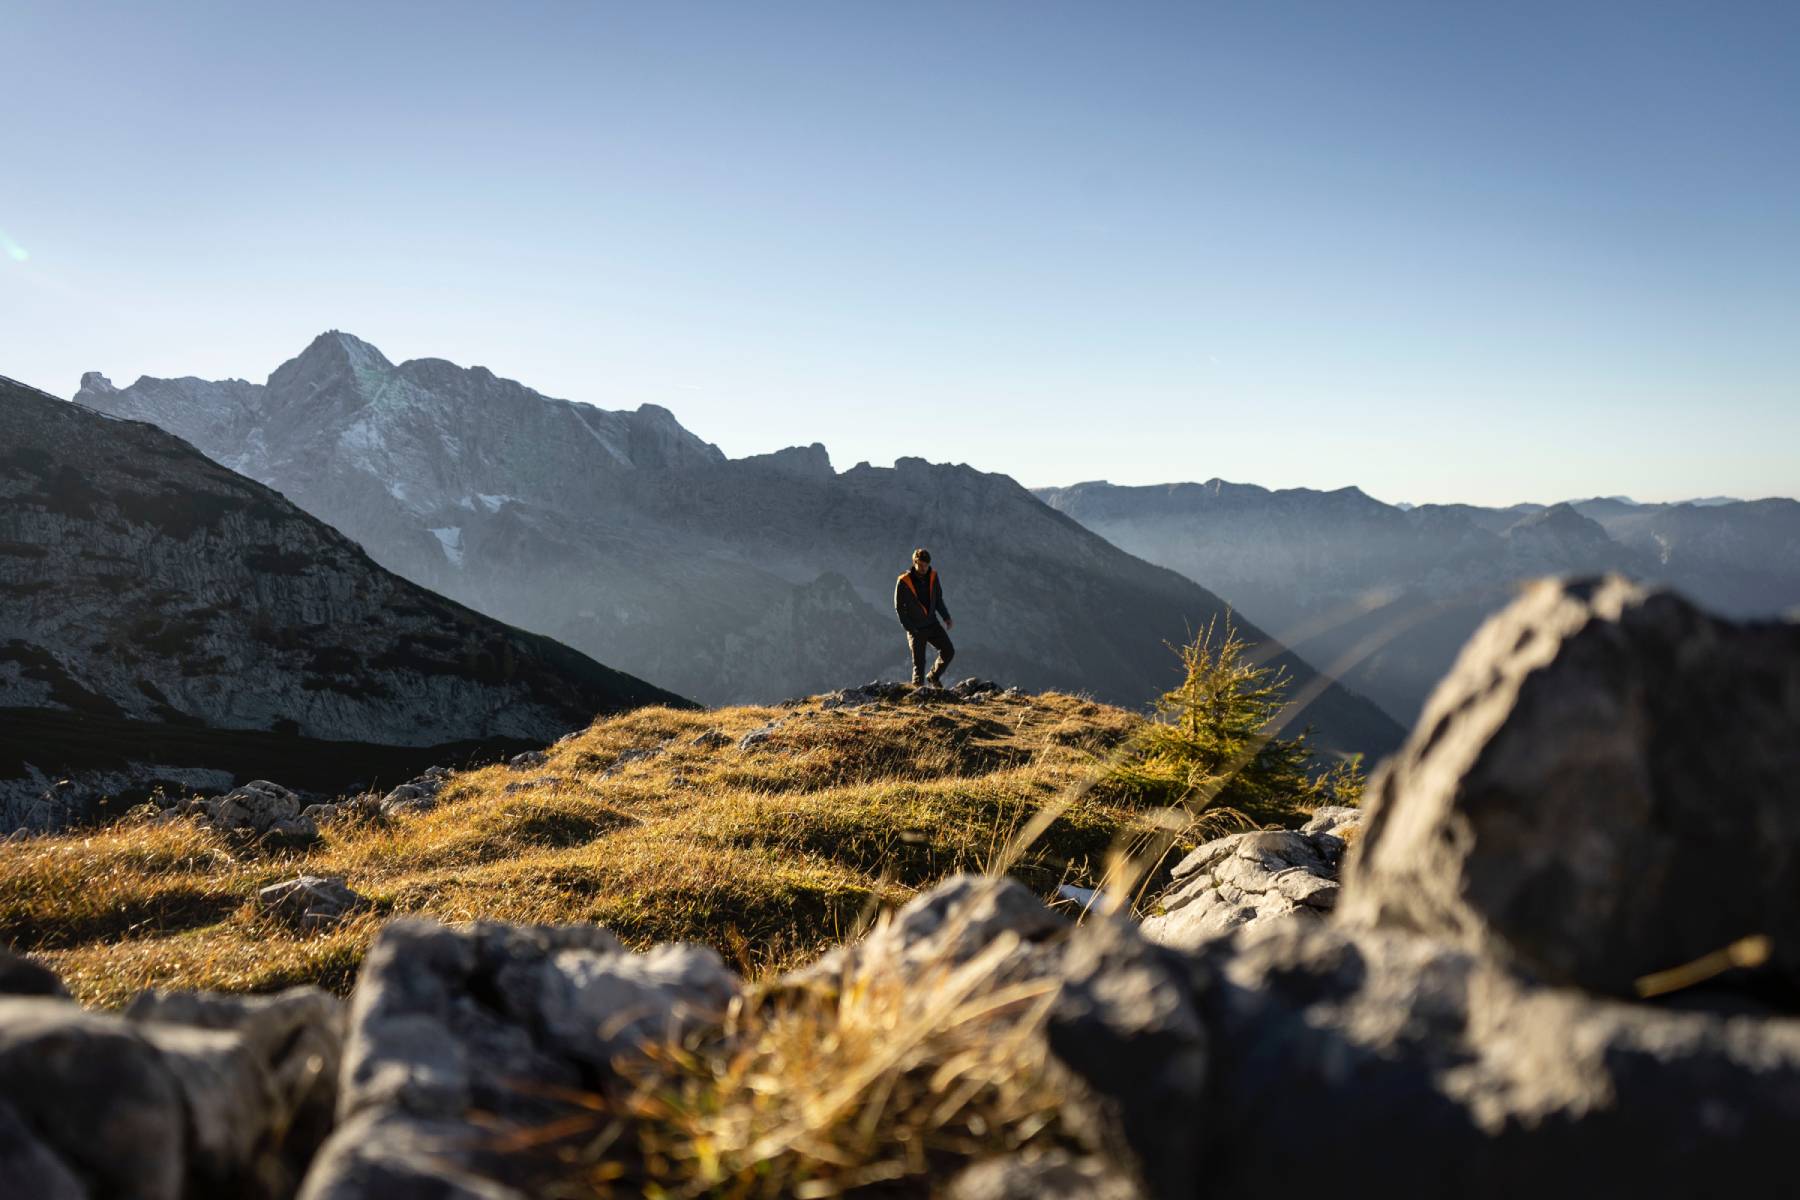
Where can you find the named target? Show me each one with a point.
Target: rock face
(1606, 786)
(497, 1020)
(1416, 1068)
(163, 616)
(1334, 570)
(203, 1096)
(1249, 878)
(629, 538)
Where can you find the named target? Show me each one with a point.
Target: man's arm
(937, 595)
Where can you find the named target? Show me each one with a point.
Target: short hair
(922, 555)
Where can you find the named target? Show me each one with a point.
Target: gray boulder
(1607, 785)
(310, 901)
(496, 1020)
(1246, 878)
(416, 795)
(944, 928)
(255, 807)
(758, 736)
(212, 1096)
(1414, 1067)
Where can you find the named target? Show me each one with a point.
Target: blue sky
(1482, 252)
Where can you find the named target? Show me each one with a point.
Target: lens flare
(12, 249)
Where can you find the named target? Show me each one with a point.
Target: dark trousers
(933, 634)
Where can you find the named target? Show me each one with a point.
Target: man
(918, 602)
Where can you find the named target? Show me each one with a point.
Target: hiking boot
(935, 679)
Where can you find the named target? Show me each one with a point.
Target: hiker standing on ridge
(918, 602)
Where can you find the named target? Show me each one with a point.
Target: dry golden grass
(874, 1082)
(768, 855)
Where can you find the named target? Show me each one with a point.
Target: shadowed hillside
(164, 620)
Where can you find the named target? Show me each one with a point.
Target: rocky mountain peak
(811, 462)
(94, 381)
(330, 356)
(1561, 522)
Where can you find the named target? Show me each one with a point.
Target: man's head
(921, 560)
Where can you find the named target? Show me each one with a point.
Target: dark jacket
(916, 611)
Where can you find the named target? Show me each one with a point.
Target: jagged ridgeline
(731, 581)
(164, 620)
(1394, 591)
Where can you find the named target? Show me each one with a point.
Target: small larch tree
(1208, 750)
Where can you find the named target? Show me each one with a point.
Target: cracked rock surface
(1248, 878)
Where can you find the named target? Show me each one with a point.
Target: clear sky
(1445, 251)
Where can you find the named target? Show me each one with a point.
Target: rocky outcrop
(505, 1022)
(267, 813)
(972, 690)
(163, 615)
(623, 535)
(1418, 1068)
(186, 1096)
(1249, 878)
(1605, 787)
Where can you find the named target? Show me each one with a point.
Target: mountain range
(165, 620)
(1384, 596)
(729, 580)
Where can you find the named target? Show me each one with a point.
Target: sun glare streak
(12, 249)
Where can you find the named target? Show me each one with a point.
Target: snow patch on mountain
(450, 539)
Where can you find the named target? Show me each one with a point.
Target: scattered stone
(712, 739)
(253, 808)
(527, 761)
(1244, 878)
(320, 814)
(944, 927)
(1607, 785)
(295, 834)
(416, 795)
(759, 735)
(310, 902)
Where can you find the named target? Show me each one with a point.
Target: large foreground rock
(460, 1036)
(1408, 1067)
(190, 1096)
(1606, 786)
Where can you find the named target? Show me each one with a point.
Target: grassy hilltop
(769, 854)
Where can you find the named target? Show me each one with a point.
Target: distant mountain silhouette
(162, 618)
(1330, 571)
(628, 537)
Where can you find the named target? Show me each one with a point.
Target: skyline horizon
(879, 461)
(1445, 254)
